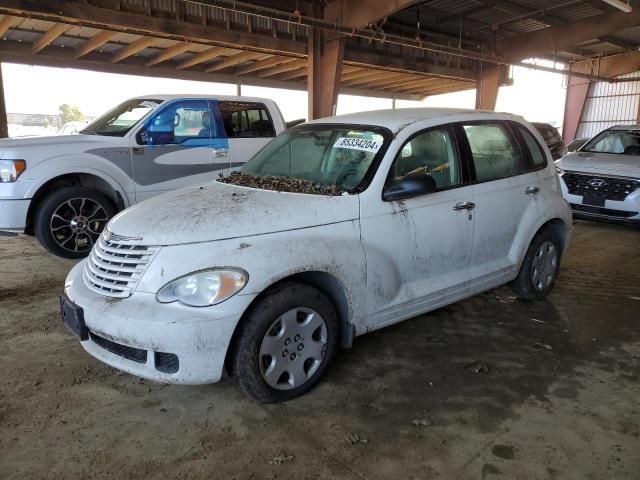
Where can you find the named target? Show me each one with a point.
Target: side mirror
(142, 137)
(408, 187)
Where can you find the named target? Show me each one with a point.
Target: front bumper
(13, 214)
(130, 333)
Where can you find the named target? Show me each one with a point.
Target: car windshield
(316, 159)
(626, 142)
(120, 120)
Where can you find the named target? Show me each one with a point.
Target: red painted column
(577, 91)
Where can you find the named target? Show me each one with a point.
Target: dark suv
(552, 138)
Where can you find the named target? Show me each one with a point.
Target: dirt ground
(488, 388)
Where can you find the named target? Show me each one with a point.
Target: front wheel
(284, 344)
(69, 221)
(539, 268)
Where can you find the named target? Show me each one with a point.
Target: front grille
(609, 212)
(611, 188)
(166, 362)
(114, 268)
(131, 353)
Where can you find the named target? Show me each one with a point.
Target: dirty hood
(37, 149)
(218, 211)
(605, 163)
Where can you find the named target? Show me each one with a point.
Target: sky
(536, 95)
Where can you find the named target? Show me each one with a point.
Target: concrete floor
(487, 388)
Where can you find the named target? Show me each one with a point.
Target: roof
(226, 98)
(400, 118)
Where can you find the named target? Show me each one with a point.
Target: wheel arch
(326, 283)
(80, 179)
(557, 227)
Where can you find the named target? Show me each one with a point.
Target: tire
(69, 221)
(539, 268)
(302, 348)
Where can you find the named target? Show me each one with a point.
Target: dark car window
(246, 120)
(495, 152)
(536, 152)
(433, 153)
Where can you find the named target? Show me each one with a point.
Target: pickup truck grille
(114, 269)
(611, 188)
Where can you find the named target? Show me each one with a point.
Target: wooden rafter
(283, 67)
(6, 23)
(365, 72)
(293, 74)
(168, 53)
(235, 60)
(262, 64)
(133, 48)
(49, 36)
(208, 54)
(388, 79)
(94, 42)
(372, 76)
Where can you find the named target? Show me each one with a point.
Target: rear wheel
(285, 343)
(539, 268)
(69, 221)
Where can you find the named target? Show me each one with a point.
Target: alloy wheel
(77, 223)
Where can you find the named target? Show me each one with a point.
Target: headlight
(559, 170)
(203, 288)
(10, 170)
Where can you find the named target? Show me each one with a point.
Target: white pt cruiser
(336, 228)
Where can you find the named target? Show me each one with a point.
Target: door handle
(531, 190)
(465, 206)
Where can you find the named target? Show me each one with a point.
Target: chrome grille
(114, 268)
(611, 188)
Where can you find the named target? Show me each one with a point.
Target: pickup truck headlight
(203, 288)
(10, 170)
(559, 170)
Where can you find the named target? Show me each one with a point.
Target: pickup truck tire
(539, 268)
(69, 220)
(284, 343)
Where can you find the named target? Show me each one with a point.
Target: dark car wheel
(284, 343)
(539, 268)
(69, 221)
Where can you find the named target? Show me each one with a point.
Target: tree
(70, 113)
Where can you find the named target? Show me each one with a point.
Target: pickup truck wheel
(69, 220)
(285, 343)
(539, 268)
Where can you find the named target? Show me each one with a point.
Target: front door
(418, 250)
(176, 147)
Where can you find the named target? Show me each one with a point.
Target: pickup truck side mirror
(142, 137)
(409, 186)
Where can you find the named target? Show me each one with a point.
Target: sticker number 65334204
(358, 144)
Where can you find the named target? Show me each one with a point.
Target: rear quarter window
(535, 150)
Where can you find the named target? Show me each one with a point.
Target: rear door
(505, 191)
(175, 147)
(248, 126)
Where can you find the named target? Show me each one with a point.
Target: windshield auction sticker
(358, 144)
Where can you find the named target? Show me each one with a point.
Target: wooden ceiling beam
(262, 64)
(94, 42)
(133, 48)
(235, 60)
(169, 53)
(49, 36)
(283, 67)
(6, 23)
(205, 55)
(300, 72)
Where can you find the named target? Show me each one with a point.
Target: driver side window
(187, 122)
(431, 153)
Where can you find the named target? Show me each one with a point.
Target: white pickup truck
(65, 189)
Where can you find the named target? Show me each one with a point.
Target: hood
(605, 163)
(218, 211)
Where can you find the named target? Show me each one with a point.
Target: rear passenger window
(537, 153)
(495, 152)
(246, 120)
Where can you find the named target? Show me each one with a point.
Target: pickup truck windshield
(120, 120)
(626, 142)
(317, 159)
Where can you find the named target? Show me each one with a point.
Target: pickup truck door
(248, 127)
(176, 147)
